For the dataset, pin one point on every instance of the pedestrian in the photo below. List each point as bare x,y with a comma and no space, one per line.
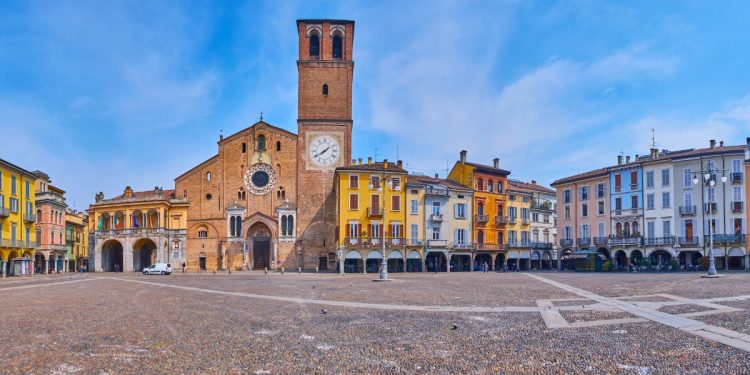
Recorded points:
485,266
183,267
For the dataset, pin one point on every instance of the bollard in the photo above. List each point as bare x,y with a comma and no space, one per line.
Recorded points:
299,270
265,269
230,271
214,271
316,270
282,270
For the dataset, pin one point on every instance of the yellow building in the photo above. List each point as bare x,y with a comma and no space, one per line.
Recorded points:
137,229
77,240
369,196
490,200
17,220
518,229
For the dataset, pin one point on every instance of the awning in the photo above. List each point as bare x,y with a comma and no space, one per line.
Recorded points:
525,255
736,252
414,255
716,252
513,255
395,255
353,255
374,255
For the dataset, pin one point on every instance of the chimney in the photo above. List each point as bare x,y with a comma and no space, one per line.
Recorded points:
533,182
619,159
436,176
712,143
463,154
359,161
627,159
721,143
654,153
369,160
400,163
636,157
354,161
385,163
747,149
496,163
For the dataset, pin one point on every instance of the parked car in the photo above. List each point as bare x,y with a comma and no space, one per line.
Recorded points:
158,269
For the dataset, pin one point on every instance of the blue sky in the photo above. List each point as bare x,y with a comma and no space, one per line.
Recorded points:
101,95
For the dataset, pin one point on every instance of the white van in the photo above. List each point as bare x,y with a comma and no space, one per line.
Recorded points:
158,269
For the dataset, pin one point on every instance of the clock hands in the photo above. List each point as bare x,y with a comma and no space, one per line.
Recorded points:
322,152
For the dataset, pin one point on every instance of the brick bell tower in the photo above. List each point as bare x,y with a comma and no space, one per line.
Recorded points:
324,120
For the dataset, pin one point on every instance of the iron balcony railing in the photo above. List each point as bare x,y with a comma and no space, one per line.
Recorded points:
512,219
627,240
462,246
736,177
500,220
709,208
374,211
431,191
18,244
600,241
437,243
414,242
628,211
140,231
687,210
29,218
436,218
738,239
541,245
737,206
4,212
566,242
396,241
524,220
655,241
583,241
487,246
688,241
479,218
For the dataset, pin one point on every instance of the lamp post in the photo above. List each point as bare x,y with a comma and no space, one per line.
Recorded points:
384,265
709,179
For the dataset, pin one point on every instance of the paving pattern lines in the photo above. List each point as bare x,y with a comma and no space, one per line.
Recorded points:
694,327
43,283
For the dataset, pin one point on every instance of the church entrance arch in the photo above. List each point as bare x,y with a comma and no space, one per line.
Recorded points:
112,256
144,254
259,236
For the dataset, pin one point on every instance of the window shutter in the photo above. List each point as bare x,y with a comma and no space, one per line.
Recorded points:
348,230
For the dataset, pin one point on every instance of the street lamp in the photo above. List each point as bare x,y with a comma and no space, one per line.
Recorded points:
709,180
384,265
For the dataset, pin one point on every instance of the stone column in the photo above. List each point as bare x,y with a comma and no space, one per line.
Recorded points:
447,262
127,256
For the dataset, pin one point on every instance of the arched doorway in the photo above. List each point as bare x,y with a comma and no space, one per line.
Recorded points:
374,258
500,262
202,261
689,260
536,261
546,260
621,259
111,256
144,254
736,259
568,263
460,263
436,262
260,237
636,256
40,263
414,262
481,259
661,258
395,261
352,262
604,252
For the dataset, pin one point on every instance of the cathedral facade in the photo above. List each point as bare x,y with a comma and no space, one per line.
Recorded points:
266,199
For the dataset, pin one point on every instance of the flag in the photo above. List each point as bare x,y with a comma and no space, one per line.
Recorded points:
135,222
101,223
117,221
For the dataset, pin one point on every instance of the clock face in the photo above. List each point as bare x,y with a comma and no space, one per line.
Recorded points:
325,151
260,179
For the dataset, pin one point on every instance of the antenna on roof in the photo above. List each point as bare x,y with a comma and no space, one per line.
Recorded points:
653,138
447,170
376,153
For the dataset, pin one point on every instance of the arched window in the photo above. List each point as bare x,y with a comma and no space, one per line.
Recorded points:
232,226
635,228
290,225
208,176
202,233
325,89
626,229
244,147
238,226
618,229
283,225
281,194
490,185
278,145
338,46
241,194
261,146
314,44
480,237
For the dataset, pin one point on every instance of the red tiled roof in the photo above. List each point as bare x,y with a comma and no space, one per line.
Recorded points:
489,169
440,181
531,187
374,167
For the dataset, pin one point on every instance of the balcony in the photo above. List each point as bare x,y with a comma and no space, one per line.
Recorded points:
525,221
17,244
414,242
541,245
688,241
396,241
436,218
633,187
736,177
737,206
600,241
374,211
512,219
487,246
29,218
709,208
479,218
501,220
4,212
728,239
627,211
628,240
437,243
566,242
687,210
659,241
584,241
439,192
462,246
618,188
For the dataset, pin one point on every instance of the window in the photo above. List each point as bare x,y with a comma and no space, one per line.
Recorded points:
435,233
567,212
12,185
665,177
665,200
459,236
261,143
535,217
414,206
325,89
687,178
650,229
376,230
1,182
634,201
490,186
281,193
354,202
28,189
314,44
736,166
567,232
414,233
666,228
650,201
208,196
600,207
208,176
584,193
396,203
396,230
512,197
396,183
524,213
353,229
688,199
650,179
711,195
202,233
512,212
13,204
459,210
526,198
244,147
375,182
618,182
566,196
618,204
480,237
600,190
633,179
601,230
353,182
436,208
499,187
736,194
480,184
241,194
585,231
278,145
338,46
585,210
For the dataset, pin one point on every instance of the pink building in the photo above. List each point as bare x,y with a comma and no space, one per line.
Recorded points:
50,227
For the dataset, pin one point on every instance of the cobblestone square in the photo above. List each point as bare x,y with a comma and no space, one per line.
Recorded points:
420,323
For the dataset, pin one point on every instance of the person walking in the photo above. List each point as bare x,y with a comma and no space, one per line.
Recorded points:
183,267
485,267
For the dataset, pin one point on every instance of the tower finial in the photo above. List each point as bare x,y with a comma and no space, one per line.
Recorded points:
261,115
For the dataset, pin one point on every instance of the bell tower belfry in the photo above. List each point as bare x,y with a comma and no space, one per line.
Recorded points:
324,120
